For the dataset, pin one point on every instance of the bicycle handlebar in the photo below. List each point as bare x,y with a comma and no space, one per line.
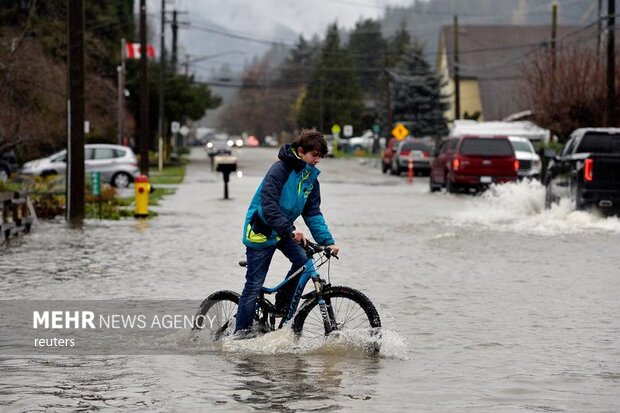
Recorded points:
313,248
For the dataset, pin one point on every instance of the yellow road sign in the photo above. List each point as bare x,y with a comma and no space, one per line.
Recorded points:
400,132
336,129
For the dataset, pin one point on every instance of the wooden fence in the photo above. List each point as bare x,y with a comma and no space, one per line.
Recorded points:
16,214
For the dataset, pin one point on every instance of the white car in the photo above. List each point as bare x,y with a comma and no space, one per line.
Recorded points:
529,161
117,164
365,142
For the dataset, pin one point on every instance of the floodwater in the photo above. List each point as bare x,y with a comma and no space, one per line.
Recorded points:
489,303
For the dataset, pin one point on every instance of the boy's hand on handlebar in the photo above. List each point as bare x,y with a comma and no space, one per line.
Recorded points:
335,249
299,237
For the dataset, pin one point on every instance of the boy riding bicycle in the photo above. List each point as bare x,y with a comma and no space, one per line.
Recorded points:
290,189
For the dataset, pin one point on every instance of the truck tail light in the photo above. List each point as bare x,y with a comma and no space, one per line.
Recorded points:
587,170
456,164
516,165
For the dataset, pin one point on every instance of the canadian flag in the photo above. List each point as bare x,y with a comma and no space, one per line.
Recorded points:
132,50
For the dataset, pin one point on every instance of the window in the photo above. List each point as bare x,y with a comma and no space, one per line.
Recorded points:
522,146
568,148
487,147
599,143
61,157
452,145
415,146
104,153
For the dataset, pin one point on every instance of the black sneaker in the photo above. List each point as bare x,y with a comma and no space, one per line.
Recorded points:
244,335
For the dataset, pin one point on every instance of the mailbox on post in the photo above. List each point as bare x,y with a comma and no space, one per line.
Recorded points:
225,165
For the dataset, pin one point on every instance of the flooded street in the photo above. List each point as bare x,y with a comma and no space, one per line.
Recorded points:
488,303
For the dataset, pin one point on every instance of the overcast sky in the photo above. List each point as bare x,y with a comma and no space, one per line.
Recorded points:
303,16
221,26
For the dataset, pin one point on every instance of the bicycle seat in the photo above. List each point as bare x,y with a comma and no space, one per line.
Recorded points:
243,263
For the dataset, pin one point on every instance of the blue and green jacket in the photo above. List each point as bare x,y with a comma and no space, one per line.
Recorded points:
289,189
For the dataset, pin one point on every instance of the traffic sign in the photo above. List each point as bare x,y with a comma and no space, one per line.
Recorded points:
95,180
400,132
376,128
184,130
336,129
175,127
348,131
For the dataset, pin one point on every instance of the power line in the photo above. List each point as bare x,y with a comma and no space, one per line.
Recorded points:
245,37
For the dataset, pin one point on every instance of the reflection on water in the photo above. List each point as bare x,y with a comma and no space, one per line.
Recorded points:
305,382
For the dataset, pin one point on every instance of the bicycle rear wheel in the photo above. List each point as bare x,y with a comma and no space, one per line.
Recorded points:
217,314
349,309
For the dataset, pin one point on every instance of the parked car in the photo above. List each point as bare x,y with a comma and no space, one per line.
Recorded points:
473,162
117,164
8,165
388,154
365,141
330,145
529,161
412,148
587,171
218,147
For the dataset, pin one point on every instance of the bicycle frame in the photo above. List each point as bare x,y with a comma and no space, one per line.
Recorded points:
308,272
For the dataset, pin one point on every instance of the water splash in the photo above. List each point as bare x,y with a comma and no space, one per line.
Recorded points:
520,207
346,343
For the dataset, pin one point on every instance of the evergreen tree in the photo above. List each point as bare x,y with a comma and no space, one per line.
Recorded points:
398,48
417,101
368,49
334,94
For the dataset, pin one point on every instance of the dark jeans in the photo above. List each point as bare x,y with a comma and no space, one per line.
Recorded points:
259,260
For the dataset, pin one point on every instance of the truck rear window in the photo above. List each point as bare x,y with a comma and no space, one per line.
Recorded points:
486,147
415,146
599,143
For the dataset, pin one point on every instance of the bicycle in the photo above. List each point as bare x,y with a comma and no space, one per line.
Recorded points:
325,311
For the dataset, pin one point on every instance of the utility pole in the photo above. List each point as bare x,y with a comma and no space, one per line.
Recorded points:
321,110
611,63
121,94
144,95
599,30
162,69
554,34
75,114
175,28
457,80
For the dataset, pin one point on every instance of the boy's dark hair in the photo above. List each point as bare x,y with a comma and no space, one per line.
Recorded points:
312,140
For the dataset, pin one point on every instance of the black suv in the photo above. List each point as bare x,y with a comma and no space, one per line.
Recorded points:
8,165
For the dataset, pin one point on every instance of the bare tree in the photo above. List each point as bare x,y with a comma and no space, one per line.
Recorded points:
567,93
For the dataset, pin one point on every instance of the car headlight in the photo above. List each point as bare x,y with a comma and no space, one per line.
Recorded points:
209,145
239,142
230,142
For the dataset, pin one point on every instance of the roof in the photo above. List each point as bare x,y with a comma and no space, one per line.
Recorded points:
495,54
524,129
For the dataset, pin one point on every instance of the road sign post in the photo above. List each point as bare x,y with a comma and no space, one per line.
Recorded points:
400,132
95,181
336,134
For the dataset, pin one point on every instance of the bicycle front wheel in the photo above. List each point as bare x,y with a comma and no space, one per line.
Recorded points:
217,314
349,309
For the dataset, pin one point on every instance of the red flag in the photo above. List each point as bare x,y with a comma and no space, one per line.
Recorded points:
132,50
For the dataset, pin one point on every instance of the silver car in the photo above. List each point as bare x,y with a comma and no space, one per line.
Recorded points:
117,164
